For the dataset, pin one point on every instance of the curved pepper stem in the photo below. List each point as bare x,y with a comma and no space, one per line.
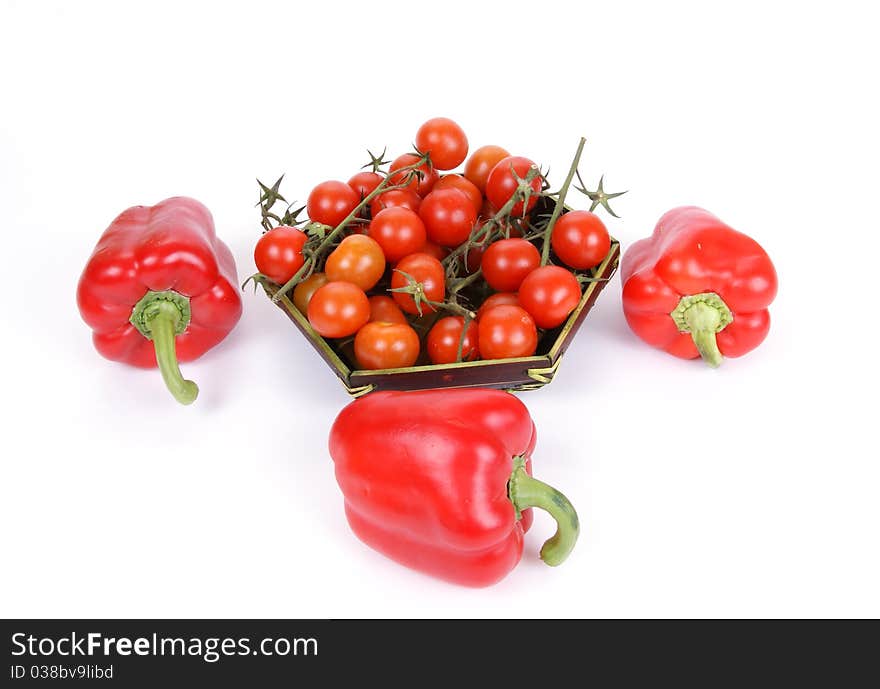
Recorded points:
703,316
160,317
525,491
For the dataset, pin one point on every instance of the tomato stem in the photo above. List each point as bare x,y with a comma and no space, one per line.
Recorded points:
464,328
464,282
560,202
452,307
525,491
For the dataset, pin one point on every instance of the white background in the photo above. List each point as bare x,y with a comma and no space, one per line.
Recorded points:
747,491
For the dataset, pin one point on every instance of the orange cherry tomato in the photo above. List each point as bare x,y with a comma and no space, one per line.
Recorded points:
480,164
302,293
338,309
358,259
464,185
379,345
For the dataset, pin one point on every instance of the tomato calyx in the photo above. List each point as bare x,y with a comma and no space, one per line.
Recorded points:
416,290
269,196
599,197
317,229
376,161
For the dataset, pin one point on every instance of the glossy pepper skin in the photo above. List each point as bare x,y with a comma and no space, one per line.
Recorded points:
439,480
697,287
159,288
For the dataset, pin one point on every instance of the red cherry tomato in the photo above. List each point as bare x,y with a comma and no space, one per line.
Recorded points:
443,339
424,269
473,259
380,345
580,239
278,253
497,299
358,259
507,262
464,186
396,198
549,294
444,140
501,184
338,309
421,182
449,216
302,293
385,310
507,331
434,250
330,202
364,182
487,210
399,231
480,164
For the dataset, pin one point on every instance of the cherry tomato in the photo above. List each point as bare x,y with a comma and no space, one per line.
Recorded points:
338,309
507,262
443,339
444,140
501,184
399,231
395,198
364,182
580,239
480,164
473,259
380,345
303,292
487,210
421,182
497,299
434,250
385,310
424,269
449,216
549,294
464,186
358,259
330,202
278,253
507,331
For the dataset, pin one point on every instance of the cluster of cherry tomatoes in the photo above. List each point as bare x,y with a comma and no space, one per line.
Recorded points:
385,254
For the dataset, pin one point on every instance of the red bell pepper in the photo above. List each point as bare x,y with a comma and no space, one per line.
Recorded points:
160,288
439,480
697,287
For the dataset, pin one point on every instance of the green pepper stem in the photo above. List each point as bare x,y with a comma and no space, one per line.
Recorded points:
703,316
163,326
160,317
525,491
